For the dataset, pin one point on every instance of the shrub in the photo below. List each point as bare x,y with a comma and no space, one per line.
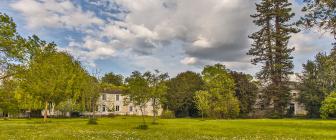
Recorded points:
167,114
328,107
142,126
92,121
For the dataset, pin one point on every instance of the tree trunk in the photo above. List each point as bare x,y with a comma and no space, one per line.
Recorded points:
142,114
46,111
154,111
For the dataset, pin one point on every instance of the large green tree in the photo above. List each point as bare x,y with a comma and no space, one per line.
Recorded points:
181,93
318,79
270,48
221,87
246,91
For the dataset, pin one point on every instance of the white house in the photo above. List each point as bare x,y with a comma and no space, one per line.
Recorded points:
112,102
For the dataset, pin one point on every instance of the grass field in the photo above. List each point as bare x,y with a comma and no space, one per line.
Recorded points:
168,129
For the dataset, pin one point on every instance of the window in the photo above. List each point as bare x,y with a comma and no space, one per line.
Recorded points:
117,97
117,108
104,108
130,108
104,97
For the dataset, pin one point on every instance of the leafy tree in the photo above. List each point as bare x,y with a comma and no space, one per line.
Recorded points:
270,49
202,99
111,78
220,85
181,93
321,14
246,91
50,76
318,80
138,92
8,102
157,89
12,47
329,106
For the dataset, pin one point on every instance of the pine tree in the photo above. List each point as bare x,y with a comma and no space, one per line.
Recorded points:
270,48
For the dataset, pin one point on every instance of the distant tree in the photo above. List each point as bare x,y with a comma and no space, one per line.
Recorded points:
220,85
321,14
246,91
202,99
318,80
157,90
329,106
270,48
181,93
138,92
111,78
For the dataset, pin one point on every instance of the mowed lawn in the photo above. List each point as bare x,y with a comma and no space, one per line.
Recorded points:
124,128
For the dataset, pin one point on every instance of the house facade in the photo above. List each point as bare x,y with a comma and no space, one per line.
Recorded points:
113,103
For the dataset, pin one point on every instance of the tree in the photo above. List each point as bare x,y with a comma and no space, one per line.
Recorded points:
329,106
50,76
115,79
12,47
202,99
181,93
317,81
321,14
157,89
270,49
220,85
246,91
8,102
138,92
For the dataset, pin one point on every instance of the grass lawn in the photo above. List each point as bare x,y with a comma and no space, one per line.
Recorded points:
168,129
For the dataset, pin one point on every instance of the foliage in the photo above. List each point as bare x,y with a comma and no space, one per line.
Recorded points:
202,99
220,85
157,90
328,107
138,91
181,93
321,14
114,79
317,81
269,48
246,91
8,101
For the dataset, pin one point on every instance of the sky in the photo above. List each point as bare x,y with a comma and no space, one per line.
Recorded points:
172,36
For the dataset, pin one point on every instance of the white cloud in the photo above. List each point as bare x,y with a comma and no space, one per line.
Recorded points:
54,14
189,61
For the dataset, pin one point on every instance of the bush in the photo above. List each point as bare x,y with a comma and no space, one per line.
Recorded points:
167,114
142,126
92,121
328,108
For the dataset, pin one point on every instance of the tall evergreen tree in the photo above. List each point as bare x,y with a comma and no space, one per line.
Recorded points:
270,48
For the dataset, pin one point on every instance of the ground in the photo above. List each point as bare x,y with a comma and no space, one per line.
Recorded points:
124,128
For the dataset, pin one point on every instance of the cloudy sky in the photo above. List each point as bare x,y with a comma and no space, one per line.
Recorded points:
169,35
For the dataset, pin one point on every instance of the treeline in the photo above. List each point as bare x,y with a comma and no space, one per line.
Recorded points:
217,92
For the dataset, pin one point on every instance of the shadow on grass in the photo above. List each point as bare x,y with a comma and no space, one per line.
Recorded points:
142,127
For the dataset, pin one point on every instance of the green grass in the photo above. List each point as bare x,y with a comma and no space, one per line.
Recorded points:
168,129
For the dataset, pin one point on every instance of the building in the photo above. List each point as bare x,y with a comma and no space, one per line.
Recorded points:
112,102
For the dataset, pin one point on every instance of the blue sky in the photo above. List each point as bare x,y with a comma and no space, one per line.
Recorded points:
169,35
